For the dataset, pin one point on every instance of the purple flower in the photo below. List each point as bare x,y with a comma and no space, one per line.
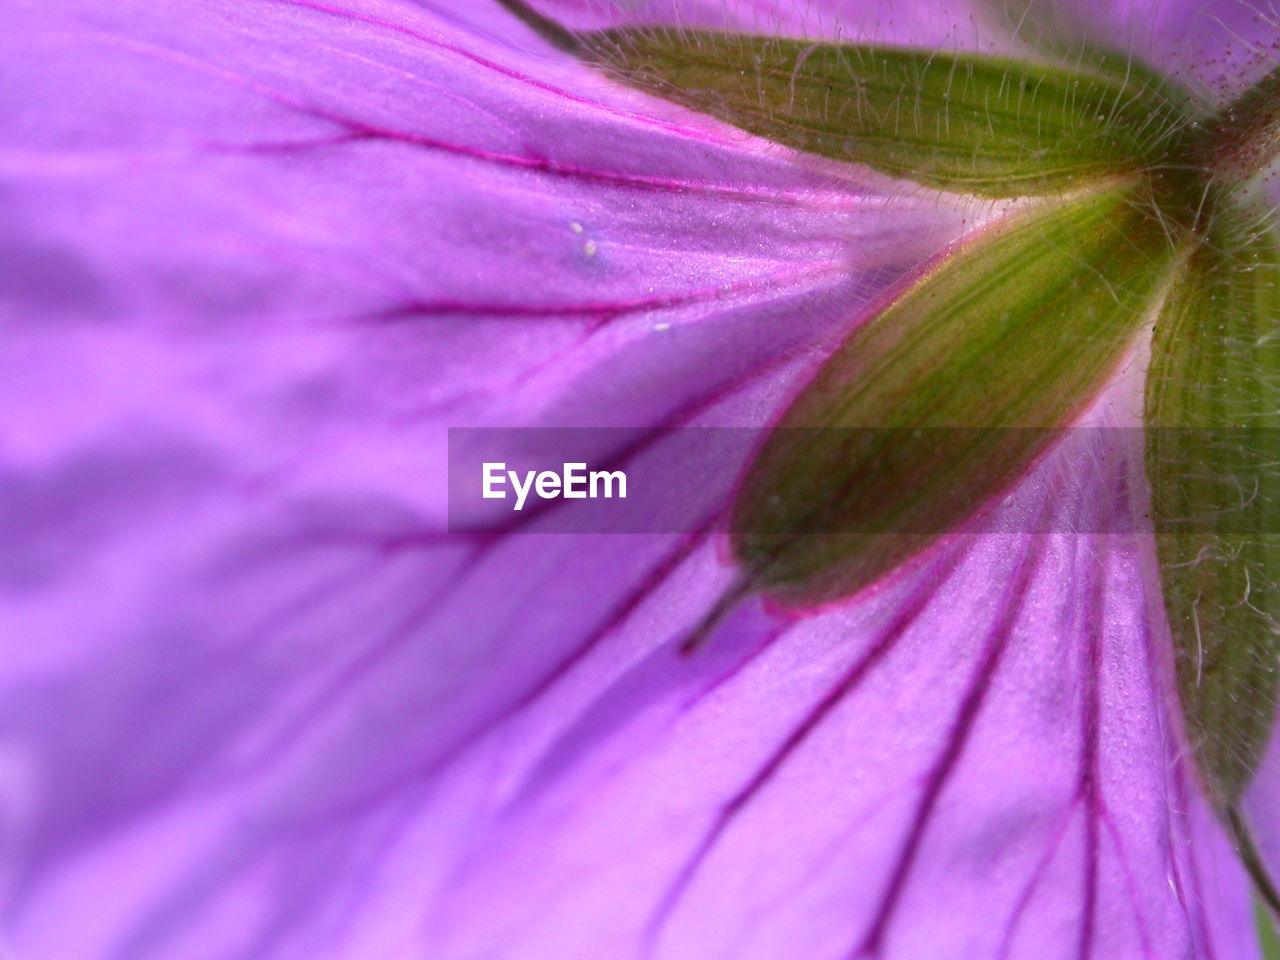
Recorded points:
259,704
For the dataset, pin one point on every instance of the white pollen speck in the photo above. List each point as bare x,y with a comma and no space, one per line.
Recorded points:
661,327
589,248
576,227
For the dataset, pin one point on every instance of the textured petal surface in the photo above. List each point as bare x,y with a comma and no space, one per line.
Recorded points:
256,258
973,762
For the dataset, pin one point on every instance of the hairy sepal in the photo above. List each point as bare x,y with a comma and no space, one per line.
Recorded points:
1213,446
961,122
1062,33
947,396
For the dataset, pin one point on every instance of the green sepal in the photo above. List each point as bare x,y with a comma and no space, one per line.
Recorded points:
946,397
1061,32
961,122
1213,461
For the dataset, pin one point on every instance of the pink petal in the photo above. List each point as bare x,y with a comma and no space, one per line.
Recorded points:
258,257
979,762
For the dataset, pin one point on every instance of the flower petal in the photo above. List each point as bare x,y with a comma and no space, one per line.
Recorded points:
256,705
261,256
974,763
